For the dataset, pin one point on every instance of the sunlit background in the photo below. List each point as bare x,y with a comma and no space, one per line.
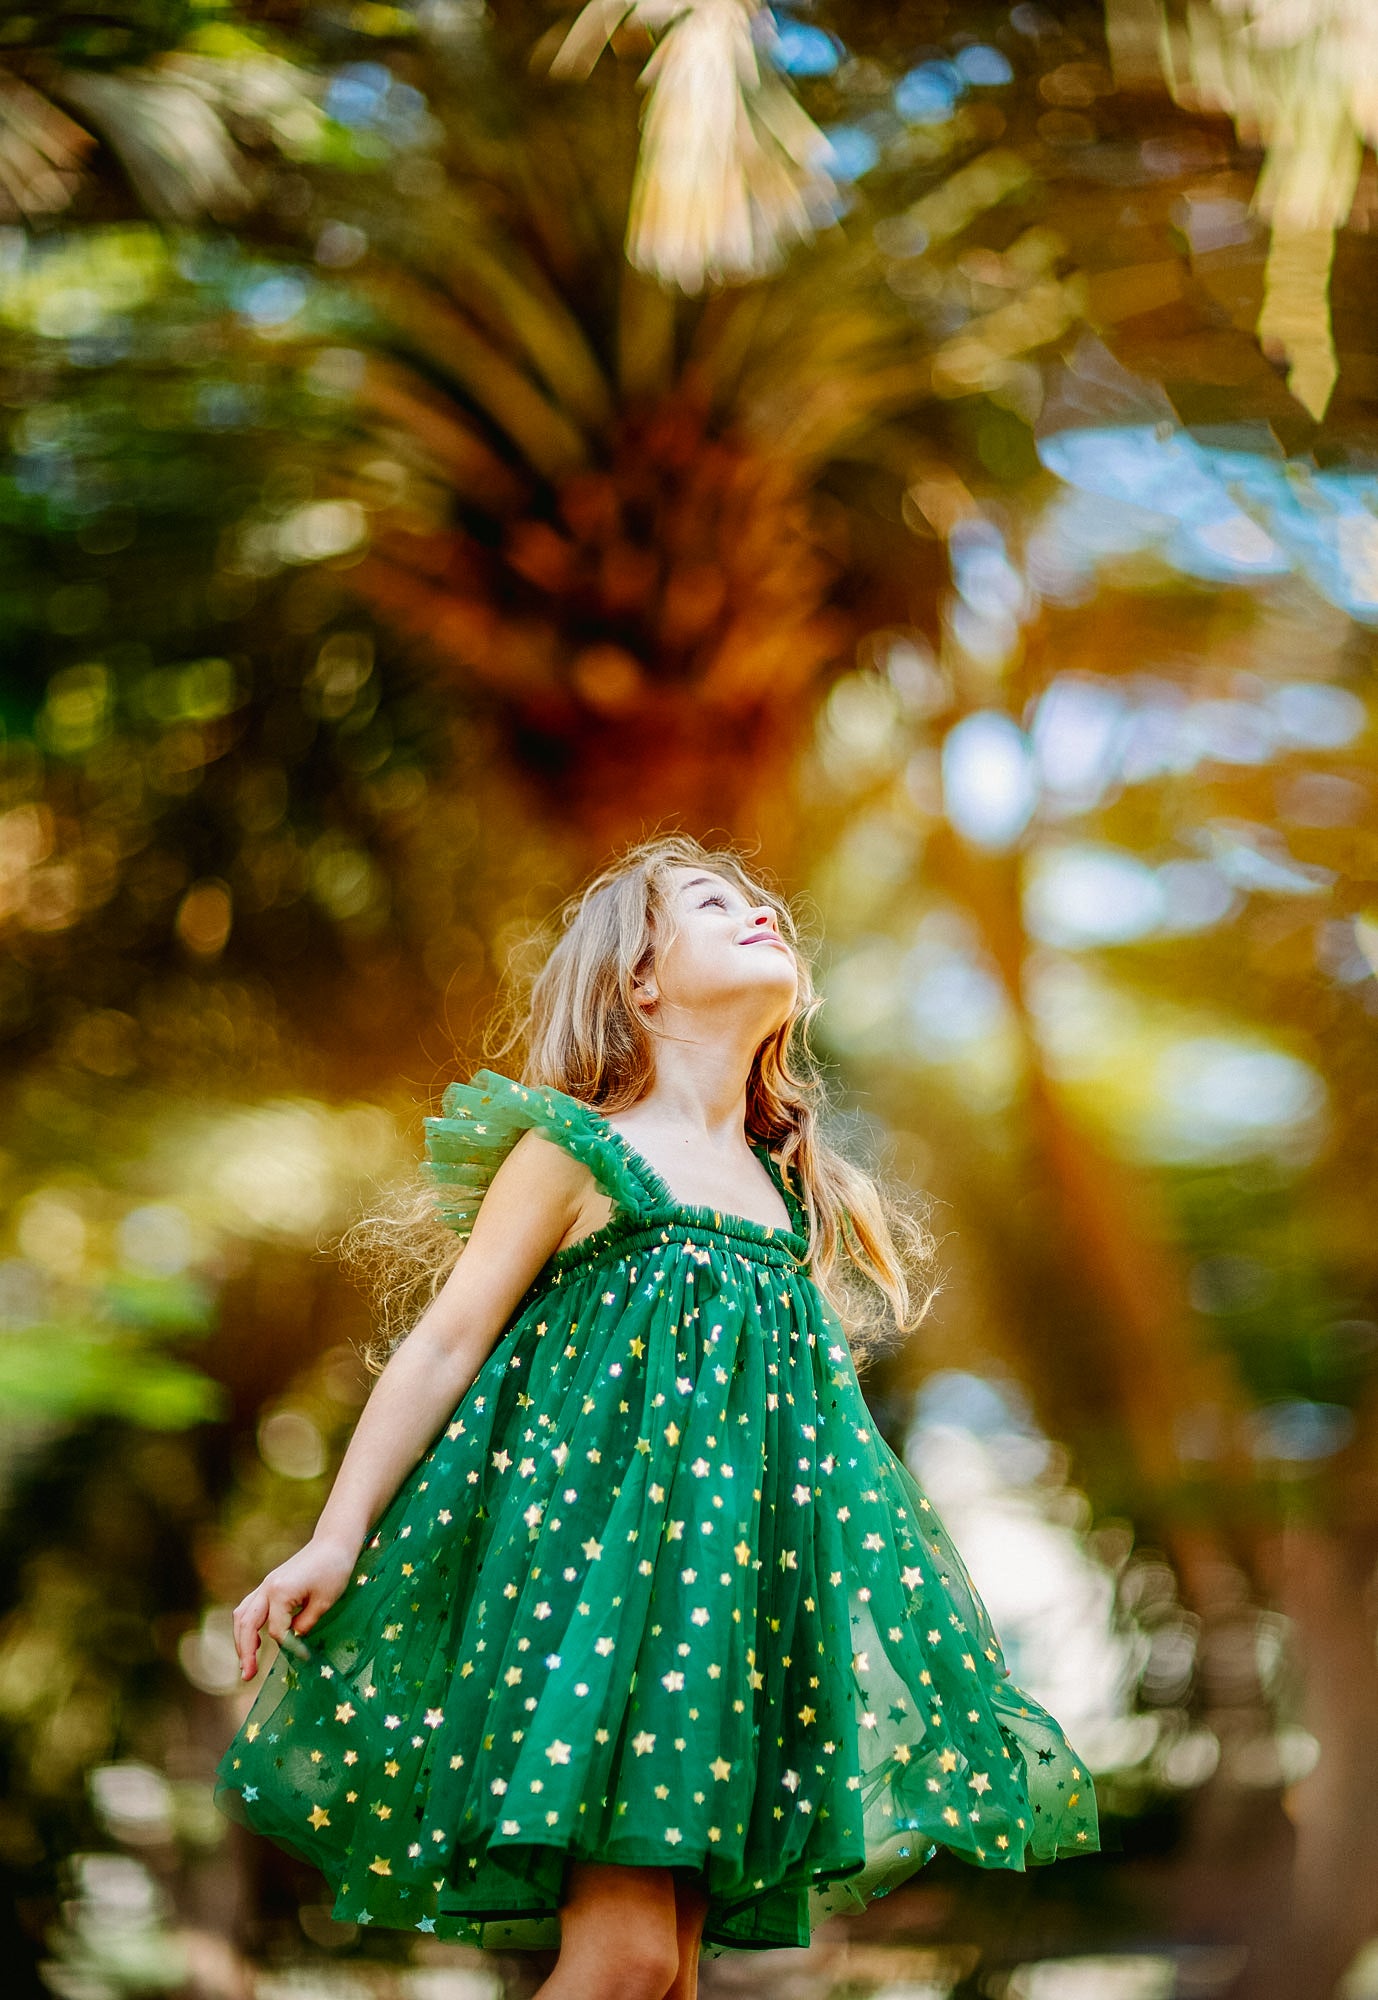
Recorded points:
933,443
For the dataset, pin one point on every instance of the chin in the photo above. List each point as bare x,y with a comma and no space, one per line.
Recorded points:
781,957
783,992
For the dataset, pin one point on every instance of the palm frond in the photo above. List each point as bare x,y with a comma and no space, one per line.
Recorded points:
396,398
183,126
495,281
171,142
499,385
42,153
732,170
1299,77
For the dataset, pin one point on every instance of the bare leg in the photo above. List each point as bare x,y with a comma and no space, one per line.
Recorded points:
691,1907
618,1936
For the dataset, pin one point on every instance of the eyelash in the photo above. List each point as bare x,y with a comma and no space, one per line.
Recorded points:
721,902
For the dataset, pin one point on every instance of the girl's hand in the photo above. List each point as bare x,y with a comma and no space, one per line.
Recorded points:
291,1598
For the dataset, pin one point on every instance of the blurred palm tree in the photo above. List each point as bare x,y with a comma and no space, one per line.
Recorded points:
638,521
652,526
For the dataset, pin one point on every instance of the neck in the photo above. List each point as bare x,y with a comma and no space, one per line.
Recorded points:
701,1081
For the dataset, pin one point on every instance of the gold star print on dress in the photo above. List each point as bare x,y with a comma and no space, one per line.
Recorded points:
659,1593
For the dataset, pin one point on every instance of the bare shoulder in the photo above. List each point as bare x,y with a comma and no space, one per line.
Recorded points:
544,1177
539,1155
539,1197
539,1171
536,1161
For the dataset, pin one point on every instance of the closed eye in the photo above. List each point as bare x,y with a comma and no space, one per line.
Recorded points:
721,902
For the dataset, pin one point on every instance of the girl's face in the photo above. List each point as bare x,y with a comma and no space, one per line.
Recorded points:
727,953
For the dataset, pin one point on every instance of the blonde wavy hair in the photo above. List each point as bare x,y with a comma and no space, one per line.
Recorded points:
571,1017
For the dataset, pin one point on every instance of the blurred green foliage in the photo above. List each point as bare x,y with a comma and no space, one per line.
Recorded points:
104,36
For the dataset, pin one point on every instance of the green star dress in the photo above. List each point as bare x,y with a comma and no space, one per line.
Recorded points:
658,1594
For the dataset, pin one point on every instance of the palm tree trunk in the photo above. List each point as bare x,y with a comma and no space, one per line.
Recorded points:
1324,1583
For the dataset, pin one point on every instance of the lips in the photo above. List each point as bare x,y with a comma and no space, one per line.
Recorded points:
765,937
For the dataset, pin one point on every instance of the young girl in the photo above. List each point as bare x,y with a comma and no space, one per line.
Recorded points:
628,1632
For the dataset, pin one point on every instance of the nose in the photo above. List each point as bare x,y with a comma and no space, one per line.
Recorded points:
764,919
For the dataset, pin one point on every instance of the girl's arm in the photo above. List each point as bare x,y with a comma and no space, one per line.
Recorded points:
534,1201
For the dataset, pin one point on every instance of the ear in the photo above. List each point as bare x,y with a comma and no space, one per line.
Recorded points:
645,993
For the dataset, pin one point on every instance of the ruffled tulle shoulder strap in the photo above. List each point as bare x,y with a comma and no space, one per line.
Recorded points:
479,1124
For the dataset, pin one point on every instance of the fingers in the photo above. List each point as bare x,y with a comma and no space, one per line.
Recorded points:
269,1607
282,1607
311,1609
248,1621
